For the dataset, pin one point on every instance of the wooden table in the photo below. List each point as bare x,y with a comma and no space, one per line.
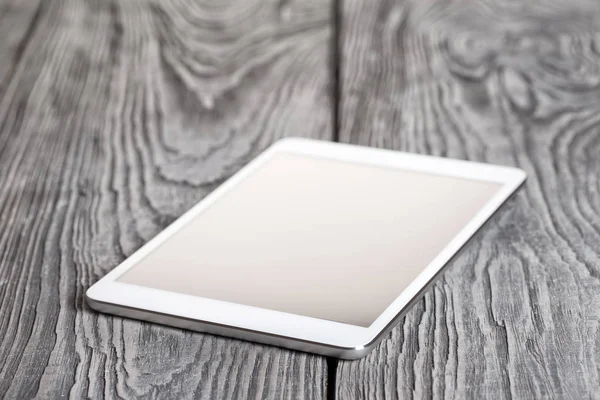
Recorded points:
117,116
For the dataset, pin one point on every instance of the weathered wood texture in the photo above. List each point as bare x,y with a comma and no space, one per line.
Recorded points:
115,117
514,83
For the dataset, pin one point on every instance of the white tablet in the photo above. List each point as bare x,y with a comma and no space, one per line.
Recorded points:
313,246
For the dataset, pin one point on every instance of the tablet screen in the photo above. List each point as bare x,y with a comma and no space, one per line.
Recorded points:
316,237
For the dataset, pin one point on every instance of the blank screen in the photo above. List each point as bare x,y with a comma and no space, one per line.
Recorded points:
316,237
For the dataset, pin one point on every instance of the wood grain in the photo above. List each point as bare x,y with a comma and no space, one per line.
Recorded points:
116,117
514,83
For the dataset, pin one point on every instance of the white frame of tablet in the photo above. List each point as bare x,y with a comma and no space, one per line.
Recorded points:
296,327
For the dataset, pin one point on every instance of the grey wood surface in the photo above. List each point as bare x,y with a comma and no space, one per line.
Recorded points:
116,117
514,83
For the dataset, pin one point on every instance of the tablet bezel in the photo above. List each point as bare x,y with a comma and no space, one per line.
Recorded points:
108,290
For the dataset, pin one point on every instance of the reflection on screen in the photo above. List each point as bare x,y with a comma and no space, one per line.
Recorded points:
316,237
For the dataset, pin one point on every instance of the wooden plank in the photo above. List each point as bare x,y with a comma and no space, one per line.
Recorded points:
115,119
18,20
514,83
